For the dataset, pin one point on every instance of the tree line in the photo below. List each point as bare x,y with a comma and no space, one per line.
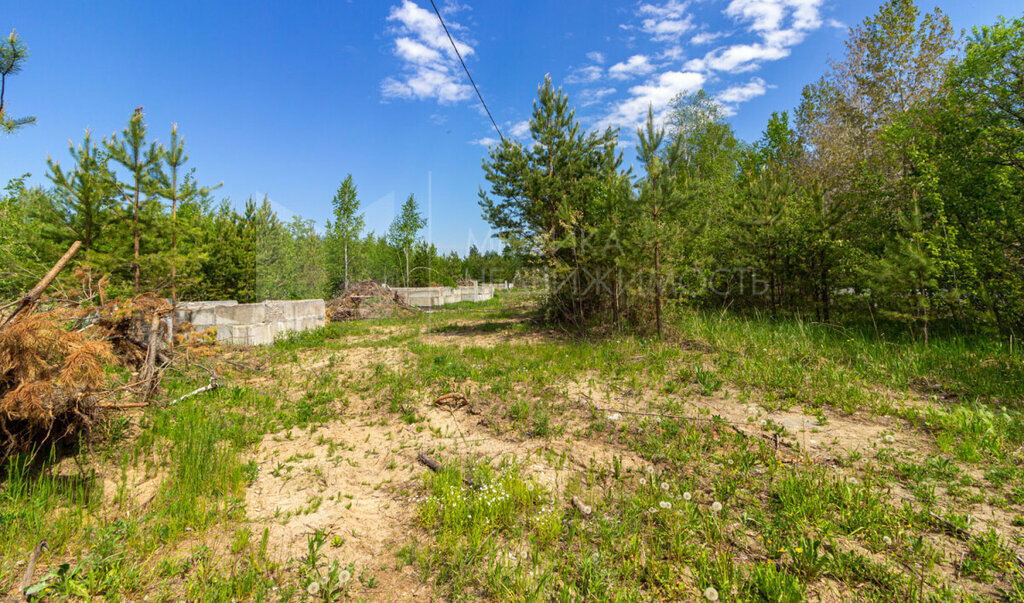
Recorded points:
147,224
892,192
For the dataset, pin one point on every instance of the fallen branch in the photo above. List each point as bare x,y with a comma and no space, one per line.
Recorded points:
206,388
963,534
436,467
30,298
30,569
429,462
115,406
459,399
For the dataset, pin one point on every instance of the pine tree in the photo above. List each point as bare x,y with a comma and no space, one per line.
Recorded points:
86,194
143,163
659,196
404,230
345,228
13,54
544,200
168,187
907,277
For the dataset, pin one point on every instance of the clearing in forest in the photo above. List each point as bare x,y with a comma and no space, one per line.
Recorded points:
736,459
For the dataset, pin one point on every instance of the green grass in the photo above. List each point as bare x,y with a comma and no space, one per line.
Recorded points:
783,532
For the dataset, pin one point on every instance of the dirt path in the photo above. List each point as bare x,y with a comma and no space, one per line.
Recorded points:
355,477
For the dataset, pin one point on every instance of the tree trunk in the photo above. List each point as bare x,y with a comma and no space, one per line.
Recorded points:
135,241
174,237
406,266
657,286
346,265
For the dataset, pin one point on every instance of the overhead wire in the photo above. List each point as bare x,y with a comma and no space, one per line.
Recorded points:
466,69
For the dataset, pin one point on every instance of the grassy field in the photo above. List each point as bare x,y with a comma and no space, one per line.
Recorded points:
738,459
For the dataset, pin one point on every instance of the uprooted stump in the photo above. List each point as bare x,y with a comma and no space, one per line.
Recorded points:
49,379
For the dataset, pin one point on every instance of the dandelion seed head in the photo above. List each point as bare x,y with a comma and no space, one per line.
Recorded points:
887,540
716,507
313,588
665,504
643,482
687,496
889,439
664,486
710,593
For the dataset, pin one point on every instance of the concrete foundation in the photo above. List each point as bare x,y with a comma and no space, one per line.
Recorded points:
429,297
253,324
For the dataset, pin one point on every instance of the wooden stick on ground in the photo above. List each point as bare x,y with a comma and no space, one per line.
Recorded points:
964,534
30,569
457,399
212,386
149,368
436,467
30,298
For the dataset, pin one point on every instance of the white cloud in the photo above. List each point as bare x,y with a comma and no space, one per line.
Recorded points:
673,9
595,56
743,92
520,129
486,141
706,37
592,96
429,63
665,22
585,75
636,65
779,25
412,51
742,57
656,93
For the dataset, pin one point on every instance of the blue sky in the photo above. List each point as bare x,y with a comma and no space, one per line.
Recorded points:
285,98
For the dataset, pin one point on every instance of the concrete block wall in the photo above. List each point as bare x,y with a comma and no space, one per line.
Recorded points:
429,297
253,324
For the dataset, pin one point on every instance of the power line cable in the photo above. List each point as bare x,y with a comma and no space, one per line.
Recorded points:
466,69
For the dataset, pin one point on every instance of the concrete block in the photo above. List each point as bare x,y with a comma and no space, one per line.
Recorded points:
276,310
206,316
256,334
242,314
